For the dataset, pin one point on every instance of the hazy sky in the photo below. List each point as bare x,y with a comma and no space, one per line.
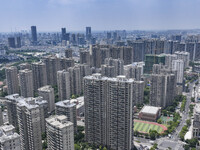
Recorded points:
51,15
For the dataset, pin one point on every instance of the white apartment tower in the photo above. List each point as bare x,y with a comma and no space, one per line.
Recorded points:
9,139
39,75
60,133
178,65
29,125
108,111
69,110
63,81
12,80
26,83
47,92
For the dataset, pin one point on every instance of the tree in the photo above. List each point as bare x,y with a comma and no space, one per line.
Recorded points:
136,133
192,99
44,145
73,96
44,136
159,121
155,146
153,134
76,147
188,122
104,148
192,142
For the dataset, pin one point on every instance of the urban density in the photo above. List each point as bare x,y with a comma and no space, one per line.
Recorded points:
99,90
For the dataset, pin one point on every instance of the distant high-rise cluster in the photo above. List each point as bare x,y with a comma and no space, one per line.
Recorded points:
34,34
99,80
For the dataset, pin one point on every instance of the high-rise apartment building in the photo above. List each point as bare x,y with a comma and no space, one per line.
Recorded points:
60,133
9,139
75,80
178,65
28,115
12,80
34,34
65,63
138,51
117,63
11,42
163,89
69,110
68,53
26,83
190,48
11,104
85,57
85,70
168,60
185,56
52,66
133,71
150,60
108,71
47,92
19,43
63,81
1,116
39,75
196,122
108,111
43,106
138,92
197,51
24,66
127,55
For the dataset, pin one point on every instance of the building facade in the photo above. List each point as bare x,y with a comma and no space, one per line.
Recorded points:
60,133
12,80
108,111
26,83
69,110
47,92
9,139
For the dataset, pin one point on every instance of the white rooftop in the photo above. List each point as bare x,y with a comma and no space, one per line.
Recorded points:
7,133
150,109
65,103
59,121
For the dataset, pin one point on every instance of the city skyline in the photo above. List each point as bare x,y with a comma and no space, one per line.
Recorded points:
51,15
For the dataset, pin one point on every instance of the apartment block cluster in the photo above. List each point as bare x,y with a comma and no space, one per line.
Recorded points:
110,80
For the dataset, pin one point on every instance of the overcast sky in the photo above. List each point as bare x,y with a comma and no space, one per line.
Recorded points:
75,15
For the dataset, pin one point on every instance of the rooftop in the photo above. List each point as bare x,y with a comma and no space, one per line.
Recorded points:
7,133
120,78
59,121
46,88
65,103
150,109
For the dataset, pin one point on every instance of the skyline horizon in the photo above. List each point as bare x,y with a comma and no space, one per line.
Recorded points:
103,30
106,15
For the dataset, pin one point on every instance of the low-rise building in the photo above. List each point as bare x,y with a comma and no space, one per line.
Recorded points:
150,113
